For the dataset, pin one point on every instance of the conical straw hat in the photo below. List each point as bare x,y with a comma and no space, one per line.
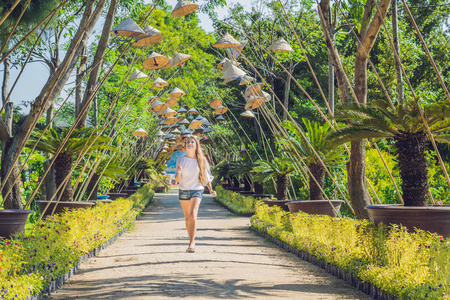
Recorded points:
199,130
266,96
155,61
137,75
195,124
177,93
178,59
180,118
169,113
220,110
160,133
159,83
153,36
205,141
128,28
248,114
170,120
228,63
152,99
243,151
184,122
205,122
226,80
281,45
254,102
171,102
233,72
227,41
192,111
245,79
175,132
140,132
239,49
253,90
222,63
162,110
184,8
157,105
220,118
207,130
215,103
182,110
199,117
161,122
164,127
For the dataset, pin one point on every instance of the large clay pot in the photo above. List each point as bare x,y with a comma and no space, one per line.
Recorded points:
114,196
13,221
316,207
61,206
430,218
280,203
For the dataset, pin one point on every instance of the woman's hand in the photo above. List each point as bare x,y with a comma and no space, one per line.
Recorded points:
179,168
213,193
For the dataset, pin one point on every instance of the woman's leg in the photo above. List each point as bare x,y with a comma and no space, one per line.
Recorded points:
194,205
185,205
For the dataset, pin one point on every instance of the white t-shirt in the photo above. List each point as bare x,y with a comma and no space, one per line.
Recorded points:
189,173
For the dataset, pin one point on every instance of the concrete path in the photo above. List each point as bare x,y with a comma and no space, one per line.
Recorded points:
231,262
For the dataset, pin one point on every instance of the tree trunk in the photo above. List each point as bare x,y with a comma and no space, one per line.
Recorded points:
398,71
413,166
49,116
318,171
63,167
14,199
92,188
281,187
79,83
49,182
247,185
330,84
6,75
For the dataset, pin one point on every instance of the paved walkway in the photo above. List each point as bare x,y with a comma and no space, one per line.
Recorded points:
231,262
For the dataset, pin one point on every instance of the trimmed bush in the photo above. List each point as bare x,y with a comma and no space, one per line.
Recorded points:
30,261
406,265
235,201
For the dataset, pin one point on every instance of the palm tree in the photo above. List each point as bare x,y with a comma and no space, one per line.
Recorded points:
77,143
278,169
404,125
317,136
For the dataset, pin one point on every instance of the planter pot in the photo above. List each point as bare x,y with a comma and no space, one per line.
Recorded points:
430,218
280,203
316,207
13,221
114,196
62,205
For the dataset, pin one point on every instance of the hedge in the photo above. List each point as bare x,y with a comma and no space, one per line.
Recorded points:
29,262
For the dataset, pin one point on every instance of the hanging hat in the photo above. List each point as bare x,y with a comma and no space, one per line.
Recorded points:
205,122
195,124
253,90
192,111
177,93
228,63
220,118
228,80
180,118
170,120
248,114
207,130
205,141
184,122
140,132
220,110
171,102
161,122
152,99
243,151
157,105
155,62
168,136
184,8
254,102
227,41
238,50
162,110
160,133
164,127
199,117
137,75
199,130
169,113
128,28
215,103
165,147
266,96
178,59
159,83
222,63
233,72
182,110
281,45
245,79
153,36
175,132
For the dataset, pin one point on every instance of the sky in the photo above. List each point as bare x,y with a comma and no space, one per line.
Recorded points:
35,75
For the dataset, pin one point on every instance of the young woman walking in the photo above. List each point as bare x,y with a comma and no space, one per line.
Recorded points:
193,173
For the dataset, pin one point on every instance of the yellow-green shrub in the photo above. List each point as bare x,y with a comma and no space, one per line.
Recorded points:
235,201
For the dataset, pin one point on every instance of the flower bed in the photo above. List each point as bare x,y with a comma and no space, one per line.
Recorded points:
402,264
30,262
235,202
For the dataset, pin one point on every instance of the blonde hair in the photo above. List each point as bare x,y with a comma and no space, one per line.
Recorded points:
202,177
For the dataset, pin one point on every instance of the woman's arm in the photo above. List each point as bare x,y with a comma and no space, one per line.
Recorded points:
212,192
178,176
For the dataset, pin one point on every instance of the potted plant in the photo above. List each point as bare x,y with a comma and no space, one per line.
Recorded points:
77,143
278,169
404,125
317,139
